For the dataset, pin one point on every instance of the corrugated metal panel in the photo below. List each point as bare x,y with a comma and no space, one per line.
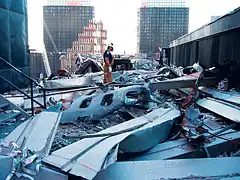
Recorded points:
86,157
212,51
181,149
173,169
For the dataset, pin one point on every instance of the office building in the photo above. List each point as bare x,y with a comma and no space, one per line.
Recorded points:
69,2
14,42
160,22
36,64
63,20
91,41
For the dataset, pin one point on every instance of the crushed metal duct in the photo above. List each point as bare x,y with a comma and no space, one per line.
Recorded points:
232,97
165,73
218,168
68,82
221,108
89,66
98,106
163,120
87,157
36,134
46,173
13,106
181,82
197,126
182,149
6,163
136,76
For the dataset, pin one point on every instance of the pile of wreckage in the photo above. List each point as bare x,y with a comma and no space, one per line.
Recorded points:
171,123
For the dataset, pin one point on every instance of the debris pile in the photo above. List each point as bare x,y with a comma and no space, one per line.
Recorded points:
170,123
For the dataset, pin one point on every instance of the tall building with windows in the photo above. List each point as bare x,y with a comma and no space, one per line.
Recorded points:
63,21
14,42
69,2
91,41
160,22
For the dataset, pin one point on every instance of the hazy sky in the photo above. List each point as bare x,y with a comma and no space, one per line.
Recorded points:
120,19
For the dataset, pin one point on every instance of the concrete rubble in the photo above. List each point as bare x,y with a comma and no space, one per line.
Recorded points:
151,122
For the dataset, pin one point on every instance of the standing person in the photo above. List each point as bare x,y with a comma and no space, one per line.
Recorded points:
108,64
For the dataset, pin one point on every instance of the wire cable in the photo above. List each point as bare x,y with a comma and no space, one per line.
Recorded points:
214,135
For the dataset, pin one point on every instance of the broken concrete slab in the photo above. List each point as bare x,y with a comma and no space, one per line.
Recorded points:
181,149
37,133
221,108
86,157
173,169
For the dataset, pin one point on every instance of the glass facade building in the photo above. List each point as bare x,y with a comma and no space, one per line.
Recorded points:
163,3
159,23
69,2
63,22
14,41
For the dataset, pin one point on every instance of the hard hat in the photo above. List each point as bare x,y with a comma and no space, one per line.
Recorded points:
110,45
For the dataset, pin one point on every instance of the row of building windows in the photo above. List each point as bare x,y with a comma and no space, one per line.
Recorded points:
83,8
83,48
162,18
163,3
169,13
69,2
85,41
160,11
66,14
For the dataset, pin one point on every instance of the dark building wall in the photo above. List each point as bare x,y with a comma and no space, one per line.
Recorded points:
215,44
37,66
14,40
64,23
54,61
161,25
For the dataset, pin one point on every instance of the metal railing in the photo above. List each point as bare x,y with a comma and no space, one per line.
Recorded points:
32,82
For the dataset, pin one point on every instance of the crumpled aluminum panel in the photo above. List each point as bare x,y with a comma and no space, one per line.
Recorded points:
181,82
233,97
86,157
221,108
152,133
95,110
67,83
217,168
37,133
45,173
181,148
6,163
